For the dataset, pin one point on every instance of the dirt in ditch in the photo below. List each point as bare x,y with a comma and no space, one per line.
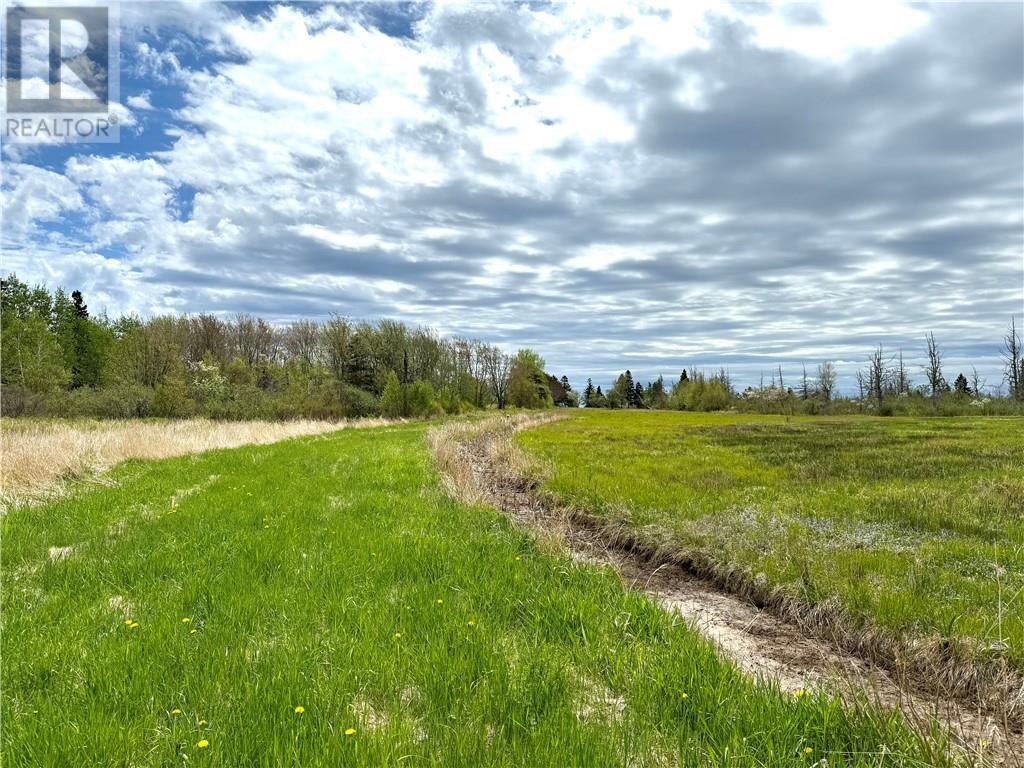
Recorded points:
756,640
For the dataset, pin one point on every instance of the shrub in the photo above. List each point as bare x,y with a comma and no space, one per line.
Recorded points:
171,398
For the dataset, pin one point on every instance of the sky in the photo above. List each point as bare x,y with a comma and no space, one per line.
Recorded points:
641,185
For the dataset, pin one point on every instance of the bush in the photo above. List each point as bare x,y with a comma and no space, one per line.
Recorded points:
19,401
357,403
171,398
420,400
119,401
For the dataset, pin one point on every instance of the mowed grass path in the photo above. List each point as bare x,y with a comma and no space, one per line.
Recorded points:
333,574
916,524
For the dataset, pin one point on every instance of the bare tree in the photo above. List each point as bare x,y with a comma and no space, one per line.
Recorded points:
878,374
337,336
933,368
977,382
805,385
252,338
827,379
498,366
900,379
207,335
1013,357
302,340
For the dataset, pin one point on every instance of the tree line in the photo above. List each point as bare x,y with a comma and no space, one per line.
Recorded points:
885,385
58,358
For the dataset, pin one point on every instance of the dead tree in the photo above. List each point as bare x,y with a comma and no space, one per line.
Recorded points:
933,368
1013,357
827,379
878,370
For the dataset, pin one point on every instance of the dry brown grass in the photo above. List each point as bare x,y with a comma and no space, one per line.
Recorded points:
38,457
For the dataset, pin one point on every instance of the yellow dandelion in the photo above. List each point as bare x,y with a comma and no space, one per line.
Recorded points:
439,601
800,693
299,710
350,731
192,631
398,635
684,696
134,625
808,750
203,743
471,623
202,723
518,557
128,622
175,711
186,619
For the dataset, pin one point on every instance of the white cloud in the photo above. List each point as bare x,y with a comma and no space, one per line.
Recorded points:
667,177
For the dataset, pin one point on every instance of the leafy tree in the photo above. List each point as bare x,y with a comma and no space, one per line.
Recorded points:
392,402
171,396
32,358
623,392
528,385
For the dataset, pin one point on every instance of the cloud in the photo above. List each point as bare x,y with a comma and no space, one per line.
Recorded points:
687,184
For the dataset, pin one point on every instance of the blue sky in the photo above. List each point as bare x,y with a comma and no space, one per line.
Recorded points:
627,185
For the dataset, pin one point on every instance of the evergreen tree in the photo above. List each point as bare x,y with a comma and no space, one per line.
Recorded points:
624,389
961,386
638,396
588,393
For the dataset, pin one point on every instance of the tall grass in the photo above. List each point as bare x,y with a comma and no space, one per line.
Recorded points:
324,602
39,454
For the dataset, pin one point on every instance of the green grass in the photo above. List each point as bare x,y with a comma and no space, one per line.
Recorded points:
333,573
914,524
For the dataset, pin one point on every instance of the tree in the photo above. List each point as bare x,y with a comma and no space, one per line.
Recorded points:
877,374
561,394
805,385
588,393
933,368
528,384
977,382
497,366
826,379
391,401
638,396
1013,358
657,397
623,392
32,358
961,386
901,381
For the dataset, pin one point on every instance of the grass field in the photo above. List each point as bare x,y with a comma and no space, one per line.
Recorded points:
913,525
322,602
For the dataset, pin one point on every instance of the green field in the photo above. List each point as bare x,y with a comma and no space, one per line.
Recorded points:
915,525
323,602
